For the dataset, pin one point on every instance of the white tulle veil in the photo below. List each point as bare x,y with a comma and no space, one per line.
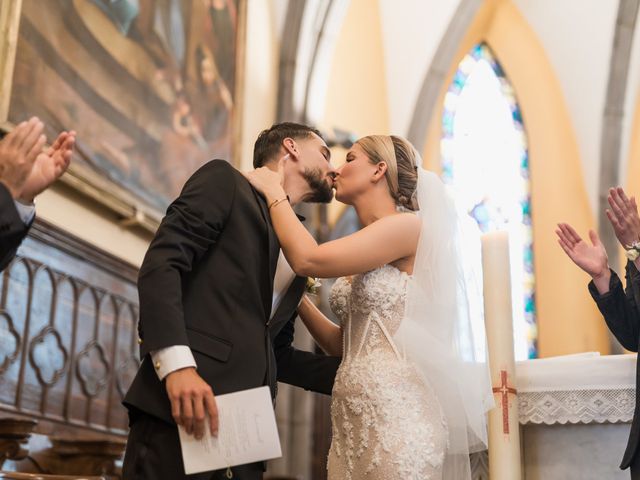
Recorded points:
443,329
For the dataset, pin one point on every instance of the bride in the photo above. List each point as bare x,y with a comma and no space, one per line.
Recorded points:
411,394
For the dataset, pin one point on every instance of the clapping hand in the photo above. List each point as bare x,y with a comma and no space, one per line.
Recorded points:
18,152
590,258
624,217
49,166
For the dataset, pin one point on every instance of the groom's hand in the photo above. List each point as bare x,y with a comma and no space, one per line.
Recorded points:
192,401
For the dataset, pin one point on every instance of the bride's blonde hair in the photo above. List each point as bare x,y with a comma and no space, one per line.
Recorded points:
402,161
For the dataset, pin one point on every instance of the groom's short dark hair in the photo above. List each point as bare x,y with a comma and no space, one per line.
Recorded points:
269,141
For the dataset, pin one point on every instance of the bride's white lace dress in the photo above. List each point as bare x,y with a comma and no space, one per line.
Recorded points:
387,423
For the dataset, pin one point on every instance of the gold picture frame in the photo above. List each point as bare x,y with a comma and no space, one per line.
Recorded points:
117,196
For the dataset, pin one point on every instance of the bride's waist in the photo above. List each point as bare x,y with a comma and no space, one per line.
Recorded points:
375,365
372,355
382,381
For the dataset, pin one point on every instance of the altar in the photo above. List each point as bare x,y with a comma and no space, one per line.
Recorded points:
575,413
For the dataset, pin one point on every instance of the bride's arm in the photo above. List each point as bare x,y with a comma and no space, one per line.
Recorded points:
326,333
385,241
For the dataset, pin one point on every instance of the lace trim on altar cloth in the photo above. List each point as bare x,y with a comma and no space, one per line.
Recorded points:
606,405
577,406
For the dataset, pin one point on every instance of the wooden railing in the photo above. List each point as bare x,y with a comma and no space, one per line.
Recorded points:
68,347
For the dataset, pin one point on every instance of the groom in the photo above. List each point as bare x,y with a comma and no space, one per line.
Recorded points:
218,303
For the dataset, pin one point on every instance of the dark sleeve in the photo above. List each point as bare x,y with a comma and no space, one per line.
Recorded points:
190,228
620,309
12,228
307,370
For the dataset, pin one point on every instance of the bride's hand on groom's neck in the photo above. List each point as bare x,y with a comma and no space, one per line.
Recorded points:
268,181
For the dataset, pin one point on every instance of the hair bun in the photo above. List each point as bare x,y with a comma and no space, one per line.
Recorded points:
405,202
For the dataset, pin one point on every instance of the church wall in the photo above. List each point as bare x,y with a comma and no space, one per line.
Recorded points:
631,177
630,155
91,222
261,73
357,88
577,37
411,36
357,92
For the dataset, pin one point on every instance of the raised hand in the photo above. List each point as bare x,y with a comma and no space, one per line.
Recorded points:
18,152
192,402
49,166
624,217
590,258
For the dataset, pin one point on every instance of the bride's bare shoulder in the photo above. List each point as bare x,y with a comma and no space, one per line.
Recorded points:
407,222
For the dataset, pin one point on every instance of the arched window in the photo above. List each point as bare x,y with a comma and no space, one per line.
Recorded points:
485,160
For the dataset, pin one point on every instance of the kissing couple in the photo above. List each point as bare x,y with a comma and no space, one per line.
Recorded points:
223,282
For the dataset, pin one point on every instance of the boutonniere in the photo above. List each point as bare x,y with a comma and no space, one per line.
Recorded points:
313,285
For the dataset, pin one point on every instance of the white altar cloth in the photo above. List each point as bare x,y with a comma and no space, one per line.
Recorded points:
583,388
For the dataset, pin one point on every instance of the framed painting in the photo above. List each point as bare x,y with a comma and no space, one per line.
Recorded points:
150,86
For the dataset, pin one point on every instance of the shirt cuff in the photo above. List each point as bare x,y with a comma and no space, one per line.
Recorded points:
26,212
170,359
614,284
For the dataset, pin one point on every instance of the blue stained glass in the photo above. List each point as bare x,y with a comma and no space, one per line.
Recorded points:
447,122
458,82
529,305
485,159
517,116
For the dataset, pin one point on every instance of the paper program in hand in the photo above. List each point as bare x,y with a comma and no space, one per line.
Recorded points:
247,433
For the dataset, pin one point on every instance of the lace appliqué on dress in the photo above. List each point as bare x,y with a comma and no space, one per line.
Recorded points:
386,421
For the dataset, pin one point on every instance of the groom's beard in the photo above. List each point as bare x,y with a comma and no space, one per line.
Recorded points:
321,188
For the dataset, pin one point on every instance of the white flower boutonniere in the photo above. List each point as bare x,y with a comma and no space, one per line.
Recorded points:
313,285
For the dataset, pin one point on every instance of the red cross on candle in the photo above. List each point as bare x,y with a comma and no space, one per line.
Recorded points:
504,389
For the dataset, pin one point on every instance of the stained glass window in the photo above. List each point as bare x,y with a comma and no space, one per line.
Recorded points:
485,160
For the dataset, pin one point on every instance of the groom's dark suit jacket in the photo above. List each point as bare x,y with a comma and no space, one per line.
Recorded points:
207,282
621,310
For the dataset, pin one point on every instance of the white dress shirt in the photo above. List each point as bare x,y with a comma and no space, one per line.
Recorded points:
26,212
170,359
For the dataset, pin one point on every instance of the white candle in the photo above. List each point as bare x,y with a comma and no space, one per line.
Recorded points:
504,429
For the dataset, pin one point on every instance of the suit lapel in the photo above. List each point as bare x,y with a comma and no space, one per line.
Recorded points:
273,251
288,305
